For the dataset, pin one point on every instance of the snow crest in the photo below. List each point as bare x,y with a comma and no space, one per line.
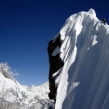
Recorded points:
83,80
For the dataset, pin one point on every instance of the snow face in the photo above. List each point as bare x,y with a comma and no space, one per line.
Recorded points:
83,80
13,95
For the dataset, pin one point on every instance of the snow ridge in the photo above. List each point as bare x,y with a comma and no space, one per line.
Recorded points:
83,80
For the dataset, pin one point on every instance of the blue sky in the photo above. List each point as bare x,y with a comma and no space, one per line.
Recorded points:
26,26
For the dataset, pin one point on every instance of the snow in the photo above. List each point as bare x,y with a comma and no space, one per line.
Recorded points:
83,80
13,95
94,42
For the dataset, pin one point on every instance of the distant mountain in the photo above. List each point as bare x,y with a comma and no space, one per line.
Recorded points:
13,95
83,81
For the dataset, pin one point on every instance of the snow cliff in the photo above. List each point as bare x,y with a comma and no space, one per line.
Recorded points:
13,95
83,81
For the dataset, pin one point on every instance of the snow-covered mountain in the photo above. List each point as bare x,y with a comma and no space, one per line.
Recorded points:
83,81
81,75
13,95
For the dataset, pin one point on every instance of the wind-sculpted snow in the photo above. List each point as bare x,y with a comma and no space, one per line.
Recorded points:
16,96
83,81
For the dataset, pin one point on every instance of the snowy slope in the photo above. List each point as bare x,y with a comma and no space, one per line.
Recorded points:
13,95
83,81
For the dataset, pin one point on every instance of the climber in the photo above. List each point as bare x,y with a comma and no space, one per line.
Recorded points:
55,64
53,44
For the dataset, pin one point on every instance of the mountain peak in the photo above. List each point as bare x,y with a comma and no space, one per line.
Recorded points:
81,63
92,11
78,21
5,71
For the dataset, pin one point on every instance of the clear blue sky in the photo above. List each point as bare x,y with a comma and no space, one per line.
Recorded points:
26,26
